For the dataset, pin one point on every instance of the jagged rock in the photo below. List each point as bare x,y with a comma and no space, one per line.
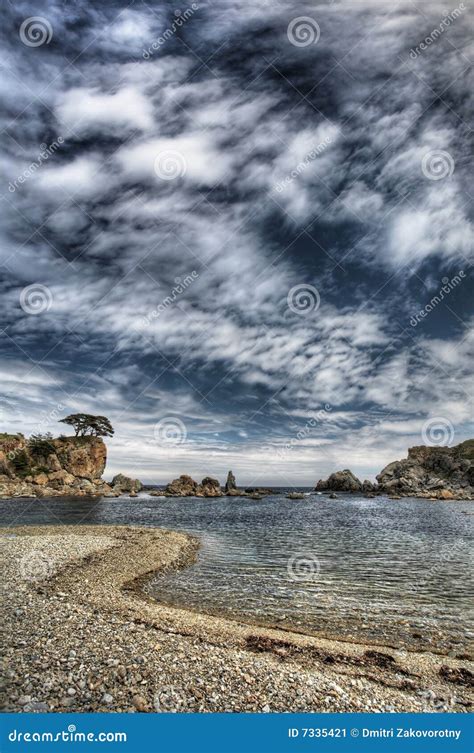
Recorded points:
184,486
368,487
124,484
341,481
437,472
230,484
209,487
41,479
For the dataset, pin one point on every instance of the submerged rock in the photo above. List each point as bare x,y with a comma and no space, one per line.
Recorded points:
295,495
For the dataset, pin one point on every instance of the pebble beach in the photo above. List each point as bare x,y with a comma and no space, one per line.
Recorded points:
81,633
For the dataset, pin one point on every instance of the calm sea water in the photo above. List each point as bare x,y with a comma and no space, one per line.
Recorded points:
394,572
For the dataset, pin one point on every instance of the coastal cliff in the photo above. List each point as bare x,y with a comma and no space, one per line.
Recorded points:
432,472
40,467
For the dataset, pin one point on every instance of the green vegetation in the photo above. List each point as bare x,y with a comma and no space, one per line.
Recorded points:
21,463
41,445
466,449
85,424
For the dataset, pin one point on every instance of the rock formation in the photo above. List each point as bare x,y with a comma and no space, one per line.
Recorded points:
440,472
230,485
124,484
185,486
341,481
47,467
427,472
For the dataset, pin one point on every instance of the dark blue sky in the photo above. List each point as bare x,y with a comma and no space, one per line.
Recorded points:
223,224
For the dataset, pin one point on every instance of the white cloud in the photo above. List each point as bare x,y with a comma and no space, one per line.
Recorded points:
90,111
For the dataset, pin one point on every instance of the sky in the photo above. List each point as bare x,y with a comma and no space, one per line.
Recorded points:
242,230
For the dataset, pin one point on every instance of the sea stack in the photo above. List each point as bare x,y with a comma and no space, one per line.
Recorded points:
230,484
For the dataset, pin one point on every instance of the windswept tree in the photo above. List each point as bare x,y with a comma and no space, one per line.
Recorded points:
84,424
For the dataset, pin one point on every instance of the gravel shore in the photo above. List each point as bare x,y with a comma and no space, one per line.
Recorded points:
81,634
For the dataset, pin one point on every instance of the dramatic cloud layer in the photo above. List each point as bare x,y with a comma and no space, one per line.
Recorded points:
242,230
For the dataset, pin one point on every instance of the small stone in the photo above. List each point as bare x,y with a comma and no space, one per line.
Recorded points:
266,708
38,707
71,691
24,699
107,698
140,703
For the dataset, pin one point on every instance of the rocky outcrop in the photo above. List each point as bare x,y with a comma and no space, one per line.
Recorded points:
230,485
341,481
209,487
427,472
185,486
47,467
439,472
124,484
